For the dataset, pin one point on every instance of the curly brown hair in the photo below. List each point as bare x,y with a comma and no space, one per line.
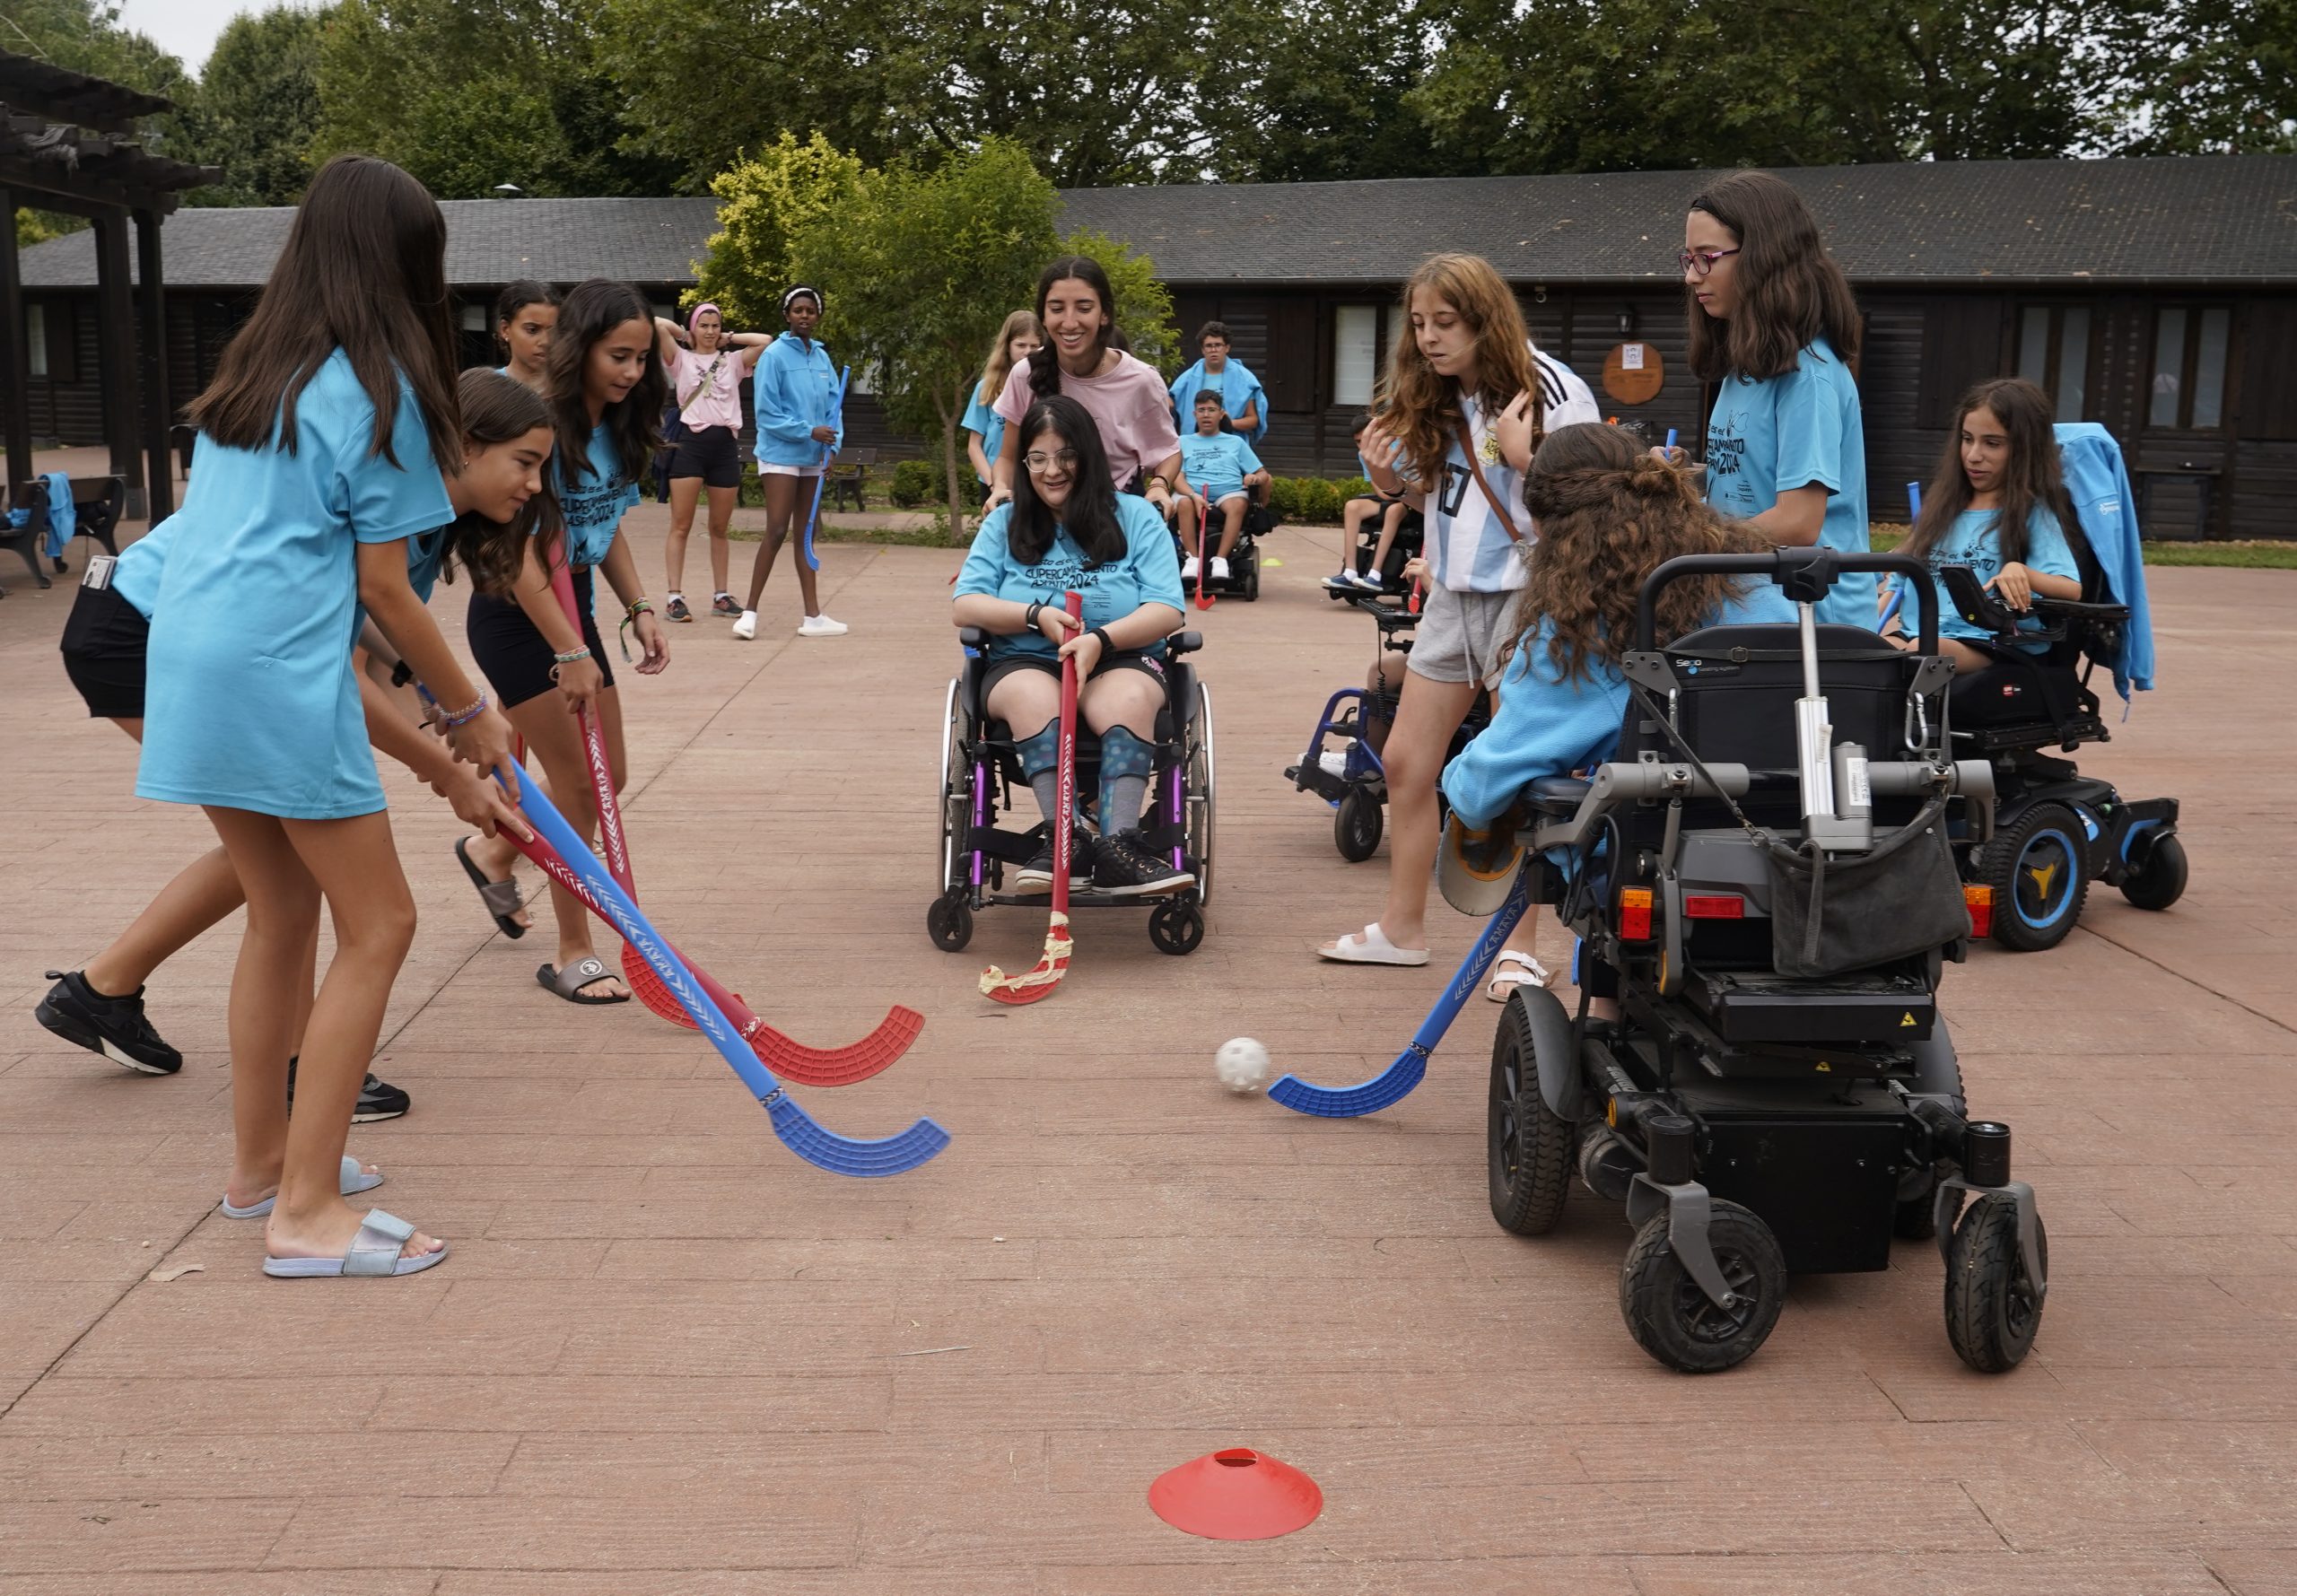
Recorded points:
1420,406
1609,513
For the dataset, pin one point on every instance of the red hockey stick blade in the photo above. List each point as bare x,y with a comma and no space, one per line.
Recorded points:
784,1055
1036,985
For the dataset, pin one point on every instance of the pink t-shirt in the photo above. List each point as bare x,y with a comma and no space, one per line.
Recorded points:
708,399
1129,403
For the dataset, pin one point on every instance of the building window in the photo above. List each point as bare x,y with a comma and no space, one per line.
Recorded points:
2054,354
2188,387
36,338
1355,354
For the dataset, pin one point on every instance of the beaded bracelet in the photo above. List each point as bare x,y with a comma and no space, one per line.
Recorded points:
572,655
461,718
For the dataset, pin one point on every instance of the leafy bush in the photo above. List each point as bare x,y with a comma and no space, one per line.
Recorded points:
918,482
1315,500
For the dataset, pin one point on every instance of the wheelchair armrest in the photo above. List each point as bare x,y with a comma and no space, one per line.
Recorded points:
971,637
1558,795
1184,642
1974,604
2075,609
1392,620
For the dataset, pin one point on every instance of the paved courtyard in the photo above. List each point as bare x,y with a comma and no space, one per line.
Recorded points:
667,1359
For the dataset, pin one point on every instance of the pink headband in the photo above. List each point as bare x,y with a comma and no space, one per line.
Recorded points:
695,314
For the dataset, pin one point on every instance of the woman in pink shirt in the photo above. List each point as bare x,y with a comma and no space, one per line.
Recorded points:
707,366
1125,397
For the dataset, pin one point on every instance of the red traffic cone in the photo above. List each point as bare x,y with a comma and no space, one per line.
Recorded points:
1235,1494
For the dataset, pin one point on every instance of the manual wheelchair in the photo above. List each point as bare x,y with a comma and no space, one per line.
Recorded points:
980,772
1779,1094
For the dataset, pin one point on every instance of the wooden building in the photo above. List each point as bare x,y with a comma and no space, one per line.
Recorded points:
2157,296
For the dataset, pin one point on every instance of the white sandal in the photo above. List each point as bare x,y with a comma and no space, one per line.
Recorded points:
1528,971
1371,946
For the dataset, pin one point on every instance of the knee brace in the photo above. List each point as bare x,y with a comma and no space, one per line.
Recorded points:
1040,751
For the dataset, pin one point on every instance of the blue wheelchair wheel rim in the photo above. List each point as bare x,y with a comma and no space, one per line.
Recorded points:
2042,881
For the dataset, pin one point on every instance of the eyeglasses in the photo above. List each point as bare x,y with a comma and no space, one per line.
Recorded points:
1041,464
1699,262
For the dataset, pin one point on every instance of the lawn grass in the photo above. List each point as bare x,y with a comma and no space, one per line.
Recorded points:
1883,537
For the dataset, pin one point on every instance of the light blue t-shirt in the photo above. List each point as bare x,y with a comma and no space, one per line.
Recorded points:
1147,572
142,563
1549,726
980,418
1217,465
1972,541
596,502
249,701
1768,437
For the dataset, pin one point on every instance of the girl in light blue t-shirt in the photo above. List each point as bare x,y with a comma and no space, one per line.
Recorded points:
1998,504
1021,336
1773,329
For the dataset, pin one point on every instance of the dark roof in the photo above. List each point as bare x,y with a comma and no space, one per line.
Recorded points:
2173,220
489,242
73,96
2190,220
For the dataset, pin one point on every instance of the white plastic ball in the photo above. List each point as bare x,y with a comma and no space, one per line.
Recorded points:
1242,1065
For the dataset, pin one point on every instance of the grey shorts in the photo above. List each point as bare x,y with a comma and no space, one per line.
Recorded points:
1460,636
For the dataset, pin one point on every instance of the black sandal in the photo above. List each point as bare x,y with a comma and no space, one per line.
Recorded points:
499,897
577,979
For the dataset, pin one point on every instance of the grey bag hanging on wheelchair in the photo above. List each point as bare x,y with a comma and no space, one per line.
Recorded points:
1854,912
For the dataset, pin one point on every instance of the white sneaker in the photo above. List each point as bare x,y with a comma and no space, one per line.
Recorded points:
821,626
1219,569
1333,761
1188,569
745,628
1365,581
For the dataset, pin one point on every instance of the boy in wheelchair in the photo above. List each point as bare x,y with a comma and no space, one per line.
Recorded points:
1384,532
1067,529
1765,895
1224,480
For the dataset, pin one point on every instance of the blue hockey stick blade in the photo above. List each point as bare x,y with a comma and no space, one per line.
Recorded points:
1389,1087
850,1156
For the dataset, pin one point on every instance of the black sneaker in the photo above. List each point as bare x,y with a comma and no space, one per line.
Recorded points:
724,605
114,1028
1127,867
1035,877
678,611
378,1099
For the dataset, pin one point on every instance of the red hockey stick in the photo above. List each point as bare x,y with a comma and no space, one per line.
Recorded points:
1036,985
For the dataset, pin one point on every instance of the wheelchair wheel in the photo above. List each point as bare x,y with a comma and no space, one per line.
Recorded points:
949,920
2037,870
1992,1309
1528,1144
1198,797
1249,590
954,798
1671,1318
1176,925
1356,824
2160,878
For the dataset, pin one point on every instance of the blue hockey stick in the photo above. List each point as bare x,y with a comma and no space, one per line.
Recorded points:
826,1149
1396,1083
813,561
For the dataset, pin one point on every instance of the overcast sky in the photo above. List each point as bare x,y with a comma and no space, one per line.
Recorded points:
186,28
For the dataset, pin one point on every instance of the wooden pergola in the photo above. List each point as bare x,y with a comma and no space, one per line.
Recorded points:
69,143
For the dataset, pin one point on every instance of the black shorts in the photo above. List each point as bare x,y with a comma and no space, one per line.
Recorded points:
105,639
518,658
710,453
1139,660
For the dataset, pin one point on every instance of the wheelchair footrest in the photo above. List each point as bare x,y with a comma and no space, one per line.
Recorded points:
1756,1006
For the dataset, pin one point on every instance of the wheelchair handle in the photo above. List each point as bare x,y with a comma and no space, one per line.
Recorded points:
1805,573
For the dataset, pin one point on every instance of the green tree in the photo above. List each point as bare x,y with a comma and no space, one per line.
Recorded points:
1144,306
921,265
762,201
259,106
1319,91
2225,84
467,94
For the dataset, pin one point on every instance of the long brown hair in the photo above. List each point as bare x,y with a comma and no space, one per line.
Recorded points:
1609,513
1420,407
2032,479
498,409
998,366
365,270
1791,292
589,312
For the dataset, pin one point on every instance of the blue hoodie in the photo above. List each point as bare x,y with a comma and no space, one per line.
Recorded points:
1238,388
795,391
2108,512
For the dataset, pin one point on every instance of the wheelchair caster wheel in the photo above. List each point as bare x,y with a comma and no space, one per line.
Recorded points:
1671,1318
1992,1309
1176,926
2159,879
949,920
1356,824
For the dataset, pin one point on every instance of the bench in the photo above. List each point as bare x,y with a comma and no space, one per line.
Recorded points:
850,475
97,502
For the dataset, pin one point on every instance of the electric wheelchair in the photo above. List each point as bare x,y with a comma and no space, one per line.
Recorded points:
1412,534
1762,877
981,772
1242,580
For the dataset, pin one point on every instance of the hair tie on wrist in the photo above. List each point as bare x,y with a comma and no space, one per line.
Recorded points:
458,718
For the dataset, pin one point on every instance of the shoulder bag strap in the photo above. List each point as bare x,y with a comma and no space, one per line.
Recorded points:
702,388
1467,448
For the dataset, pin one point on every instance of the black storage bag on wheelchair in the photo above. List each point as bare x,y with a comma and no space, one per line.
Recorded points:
1829,916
